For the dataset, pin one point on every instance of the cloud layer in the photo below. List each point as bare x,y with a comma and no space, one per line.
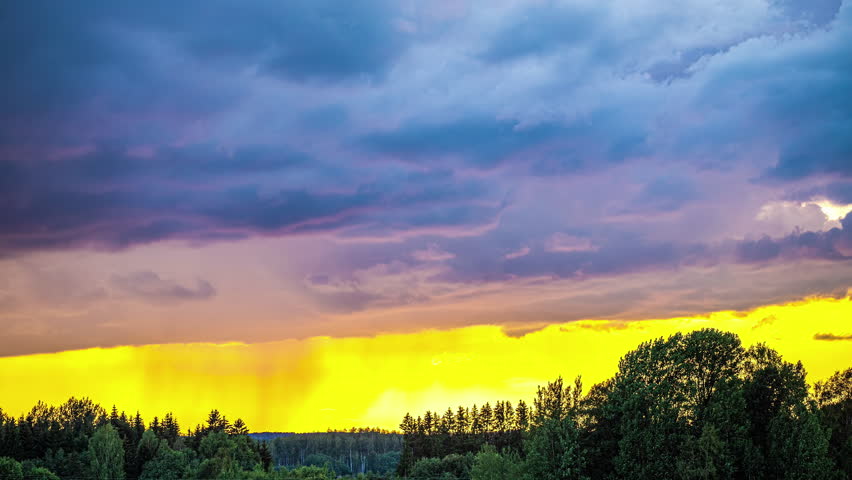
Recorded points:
422,156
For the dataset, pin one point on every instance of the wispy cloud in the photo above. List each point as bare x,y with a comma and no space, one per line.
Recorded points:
149,286
831,337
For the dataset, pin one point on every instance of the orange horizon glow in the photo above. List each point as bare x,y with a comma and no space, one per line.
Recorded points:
336,383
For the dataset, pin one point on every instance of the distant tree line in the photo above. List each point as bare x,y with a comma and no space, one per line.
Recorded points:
465,430
691,406
345,453
79,440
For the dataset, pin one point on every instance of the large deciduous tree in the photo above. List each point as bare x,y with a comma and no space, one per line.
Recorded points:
106,454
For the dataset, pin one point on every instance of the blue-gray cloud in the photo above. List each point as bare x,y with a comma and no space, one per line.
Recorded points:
482,141
541,29
110,199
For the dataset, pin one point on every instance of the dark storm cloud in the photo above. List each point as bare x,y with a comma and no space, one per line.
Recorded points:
479,141
300,40
837,192
142,73
113,167
826,149
541,29
482,141
794,95
625,254
110,199
68,51
123,124
483,258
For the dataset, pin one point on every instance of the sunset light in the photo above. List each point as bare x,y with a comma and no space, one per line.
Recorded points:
426,240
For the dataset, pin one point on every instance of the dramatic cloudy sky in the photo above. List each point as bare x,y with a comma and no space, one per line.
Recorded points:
216,171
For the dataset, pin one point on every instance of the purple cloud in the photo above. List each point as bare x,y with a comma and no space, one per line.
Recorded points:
431,155
150,287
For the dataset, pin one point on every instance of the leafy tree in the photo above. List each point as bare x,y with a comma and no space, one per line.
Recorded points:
488,464
834,399
37,473
9,441
307,473
599,438
106,454
168,464
799,447
228,454
427,469
453,466
458,466
781,420
554,452
10,469
148,447
661,397
701,456
68,465
552,402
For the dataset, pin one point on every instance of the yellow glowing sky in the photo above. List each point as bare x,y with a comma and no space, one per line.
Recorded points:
320,383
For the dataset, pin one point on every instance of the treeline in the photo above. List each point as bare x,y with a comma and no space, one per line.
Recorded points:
345,453
79,440
692,406
465,430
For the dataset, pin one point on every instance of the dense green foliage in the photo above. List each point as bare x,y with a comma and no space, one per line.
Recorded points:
106,454
691,406
834,398
80,440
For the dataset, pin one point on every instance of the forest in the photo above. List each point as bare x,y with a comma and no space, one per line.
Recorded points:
345,453
698,405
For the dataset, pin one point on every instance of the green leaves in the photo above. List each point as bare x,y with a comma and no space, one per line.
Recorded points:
553,451
106,454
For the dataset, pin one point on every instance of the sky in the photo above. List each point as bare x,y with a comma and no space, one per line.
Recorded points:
296,198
